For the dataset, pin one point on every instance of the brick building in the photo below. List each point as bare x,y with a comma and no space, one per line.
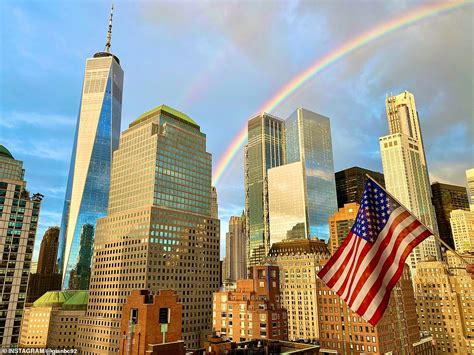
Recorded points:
149,318
253,310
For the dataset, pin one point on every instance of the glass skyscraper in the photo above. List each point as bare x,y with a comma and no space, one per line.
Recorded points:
265,150
308,140
96,138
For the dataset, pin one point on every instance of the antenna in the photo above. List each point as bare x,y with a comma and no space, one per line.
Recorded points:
109,33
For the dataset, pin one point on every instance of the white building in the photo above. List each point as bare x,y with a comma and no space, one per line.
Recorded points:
405,169
462,225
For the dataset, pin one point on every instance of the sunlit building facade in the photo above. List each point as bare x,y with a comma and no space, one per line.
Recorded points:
340,224
470,187
158,232
96,138
288,205
462,226
18,224
405,169
235,261
308,140
265,150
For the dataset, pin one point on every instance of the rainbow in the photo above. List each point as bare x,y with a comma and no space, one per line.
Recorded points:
320,64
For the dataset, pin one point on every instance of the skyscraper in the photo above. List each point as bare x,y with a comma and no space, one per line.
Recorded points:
470,187
265,150
340,224
235,261
18,223
405,169
288,202
350,184
447,198
96,138
158,232
46,277
298,261
308,140
462,226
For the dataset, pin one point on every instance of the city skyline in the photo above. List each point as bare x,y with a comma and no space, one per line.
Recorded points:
55,119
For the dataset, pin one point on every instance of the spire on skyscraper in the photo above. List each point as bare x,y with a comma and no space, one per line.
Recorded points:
109,32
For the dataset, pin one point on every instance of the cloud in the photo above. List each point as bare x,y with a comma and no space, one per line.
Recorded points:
21,119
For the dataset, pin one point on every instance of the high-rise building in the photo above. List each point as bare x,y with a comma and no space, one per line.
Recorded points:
288,203
214,204
253,310
462,226
297,261
235,261
150,319
405,169
350,184
470,187
445,307
340,224
308,140
96,138
158,232
447,198
18,223
345,332
45,278
52,320
265,150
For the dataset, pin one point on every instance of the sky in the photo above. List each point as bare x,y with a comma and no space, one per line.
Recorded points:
219,62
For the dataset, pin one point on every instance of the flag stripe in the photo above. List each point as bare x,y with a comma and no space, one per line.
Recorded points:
340,267
337,255
397,221
343,279
379,310
390,262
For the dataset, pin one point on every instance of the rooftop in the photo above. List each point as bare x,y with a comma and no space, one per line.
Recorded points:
4,152
168,111
63,299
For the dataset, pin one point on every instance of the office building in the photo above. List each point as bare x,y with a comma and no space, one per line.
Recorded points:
445,307
235,261
18,224
447,198
253,310
46,278
297,261
158,232
214,204
350,184
462,226
148,319
344,332
340,224
96,138
308,140
51,321
265,149
405,169
470,187
288,203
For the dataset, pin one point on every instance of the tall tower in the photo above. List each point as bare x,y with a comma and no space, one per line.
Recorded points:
265,150
159,231
308,140
236,247
96,138
18,223
405,169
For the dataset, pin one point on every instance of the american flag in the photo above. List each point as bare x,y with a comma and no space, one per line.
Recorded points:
370,261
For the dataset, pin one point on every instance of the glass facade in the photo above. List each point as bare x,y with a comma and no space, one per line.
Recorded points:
287,202
308,139
97,135
265,150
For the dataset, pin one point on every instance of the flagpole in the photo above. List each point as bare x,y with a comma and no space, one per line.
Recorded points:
429,229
